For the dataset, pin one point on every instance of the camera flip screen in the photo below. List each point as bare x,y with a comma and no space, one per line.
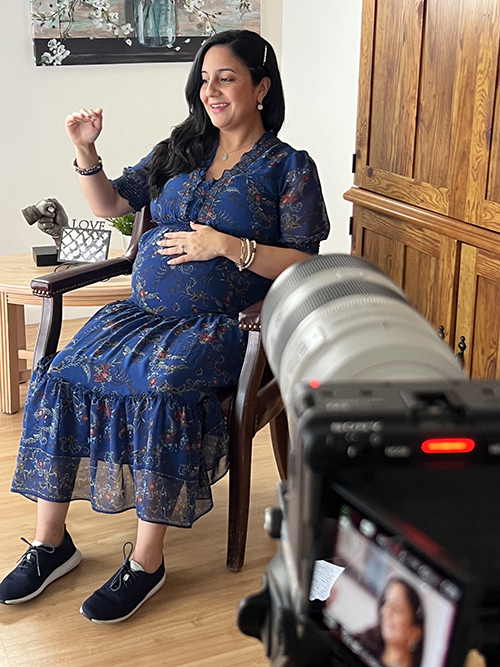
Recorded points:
389,606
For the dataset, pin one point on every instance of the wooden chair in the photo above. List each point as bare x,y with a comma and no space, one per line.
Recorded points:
248,407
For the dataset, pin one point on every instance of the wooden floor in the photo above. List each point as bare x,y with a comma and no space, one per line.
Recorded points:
191,622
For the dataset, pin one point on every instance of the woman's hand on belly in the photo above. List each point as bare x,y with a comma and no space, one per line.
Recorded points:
205,243
200,245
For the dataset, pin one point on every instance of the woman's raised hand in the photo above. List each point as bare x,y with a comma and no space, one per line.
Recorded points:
84,126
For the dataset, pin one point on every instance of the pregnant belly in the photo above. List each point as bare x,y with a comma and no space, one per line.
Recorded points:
185,289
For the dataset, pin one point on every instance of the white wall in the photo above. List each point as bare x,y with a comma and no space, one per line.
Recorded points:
320,64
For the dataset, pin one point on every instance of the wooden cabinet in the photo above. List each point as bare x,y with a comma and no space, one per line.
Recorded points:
424,263
427,195
426,106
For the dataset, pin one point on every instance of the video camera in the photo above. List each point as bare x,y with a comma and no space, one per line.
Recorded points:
389,521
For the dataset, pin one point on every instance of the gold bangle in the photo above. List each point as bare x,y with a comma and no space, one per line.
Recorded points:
244,254
247,254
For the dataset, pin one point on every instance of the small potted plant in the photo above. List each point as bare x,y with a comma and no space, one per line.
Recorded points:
125,225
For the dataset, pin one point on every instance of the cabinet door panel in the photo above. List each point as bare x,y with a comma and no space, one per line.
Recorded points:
384,252
478,312
396,64
426,99
422,262
491,211
433,148
421,280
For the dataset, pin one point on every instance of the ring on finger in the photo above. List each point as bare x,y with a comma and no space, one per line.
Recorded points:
182,249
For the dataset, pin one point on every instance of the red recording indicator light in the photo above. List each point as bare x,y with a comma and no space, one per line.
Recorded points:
315,384
448,446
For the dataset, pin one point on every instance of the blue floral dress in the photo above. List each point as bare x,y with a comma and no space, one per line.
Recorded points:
127,414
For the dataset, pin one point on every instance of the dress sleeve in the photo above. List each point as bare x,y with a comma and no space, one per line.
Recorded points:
132,185
303,217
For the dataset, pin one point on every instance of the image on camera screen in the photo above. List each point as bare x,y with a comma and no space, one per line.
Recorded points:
388,606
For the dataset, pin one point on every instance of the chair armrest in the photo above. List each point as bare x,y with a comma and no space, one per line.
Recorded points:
249,319
79,276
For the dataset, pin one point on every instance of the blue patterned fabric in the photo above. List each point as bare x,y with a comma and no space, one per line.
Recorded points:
127,414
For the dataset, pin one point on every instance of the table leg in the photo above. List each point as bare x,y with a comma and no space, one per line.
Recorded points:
9,360
21,340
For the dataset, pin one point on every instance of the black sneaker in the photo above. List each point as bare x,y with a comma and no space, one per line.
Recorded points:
38,567
124,593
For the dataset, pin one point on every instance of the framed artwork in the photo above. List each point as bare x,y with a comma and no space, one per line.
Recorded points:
91,32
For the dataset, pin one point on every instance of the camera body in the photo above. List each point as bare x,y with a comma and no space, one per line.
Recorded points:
393,471
419,463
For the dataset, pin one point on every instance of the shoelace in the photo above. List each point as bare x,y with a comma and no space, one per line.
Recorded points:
125,572
33,550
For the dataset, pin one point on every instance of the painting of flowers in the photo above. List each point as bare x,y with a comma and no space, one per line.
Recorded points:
81,32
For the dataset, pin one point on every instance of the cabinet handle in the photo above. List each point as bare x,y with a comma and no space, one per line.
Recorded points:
462,347
441,332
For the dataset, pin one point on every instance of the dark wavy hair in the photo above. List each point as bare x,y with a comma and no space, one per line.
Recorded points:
191,141
417,612
372,639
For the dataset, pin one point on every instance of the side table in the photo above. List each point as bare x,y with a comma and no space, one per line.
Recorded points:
16,274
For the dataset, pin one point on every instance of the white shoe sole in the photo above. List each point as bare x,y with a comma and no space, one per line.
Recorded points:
124,618
57,574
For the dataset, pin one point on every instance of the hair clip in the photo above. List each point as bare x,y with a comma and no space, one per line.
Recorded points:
265,55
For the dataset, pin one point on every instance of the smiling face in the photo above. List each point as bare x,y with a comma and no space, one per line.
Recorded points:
398,625
228,93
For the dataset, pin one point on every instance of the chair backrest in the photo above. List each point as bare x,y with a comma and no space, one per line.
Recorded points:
142,223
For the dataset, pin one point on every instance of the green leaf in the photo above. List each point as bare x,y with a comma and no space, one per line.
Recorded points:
124,223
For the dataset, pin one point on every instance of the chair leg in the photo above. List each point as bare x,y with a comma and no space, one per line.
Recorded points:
239,503
279,438
241,432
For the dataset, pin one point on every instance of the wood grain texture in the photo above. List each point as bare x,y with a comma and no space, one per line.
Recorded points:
450,227
421,284
435,109
426,102
481,28
493,187
386,253
466,302
396,70
449,276
478,316
9,361
364,87
485,362
491,215
422,262
424,195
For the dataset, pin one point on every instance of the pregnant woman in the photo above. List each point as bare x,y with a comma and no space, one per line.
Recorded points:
127,416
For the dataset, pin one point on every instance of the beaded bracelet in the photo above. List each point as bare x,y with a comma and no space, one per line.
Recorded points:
252,254
90,171
248,250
